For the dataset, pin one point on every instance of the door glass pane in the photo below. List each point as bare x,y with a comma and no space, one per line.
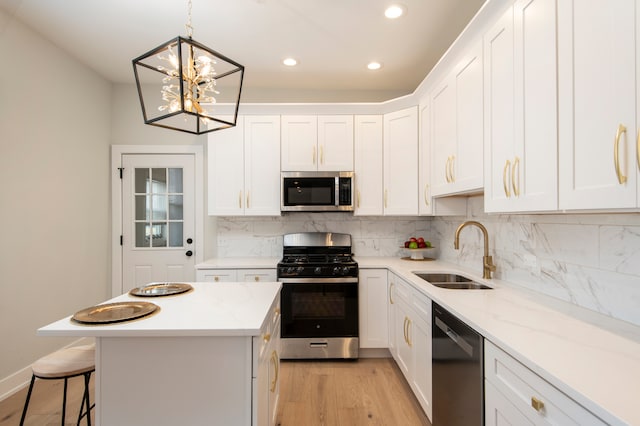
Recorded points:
175,207
141,235
159,235
159,207
175,180
159,179
175,234
141,178
142,207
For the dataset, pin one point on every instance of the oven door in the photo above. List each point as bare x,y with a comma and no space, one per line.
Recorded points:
319,307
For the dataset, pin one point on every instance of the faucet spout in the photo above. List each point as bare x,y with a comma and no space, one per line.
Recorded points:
487,261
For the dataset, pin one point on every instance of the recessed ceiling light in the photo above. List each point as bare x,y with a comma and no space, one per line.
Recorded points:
395,11
290,62
374,65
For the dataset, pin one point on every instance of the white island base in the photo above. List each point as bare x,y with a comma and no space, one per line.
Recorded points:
209,357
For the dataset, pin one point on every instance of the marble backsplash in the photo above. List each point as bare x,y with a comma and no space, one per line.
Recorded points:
262,236
590,260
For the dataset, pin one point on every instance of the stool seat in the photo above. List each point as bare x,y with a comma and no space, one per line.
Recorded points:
66,362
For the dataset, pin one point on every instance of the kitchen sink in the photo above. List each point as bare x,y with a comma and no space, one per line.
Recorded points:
452,281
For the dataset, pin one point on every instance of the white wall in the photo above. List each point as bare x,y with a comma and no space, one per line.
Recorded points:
54,192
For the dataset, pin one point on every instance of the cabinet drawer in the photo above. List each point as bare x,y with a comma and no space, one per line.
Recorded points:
216,275
257,275
526,390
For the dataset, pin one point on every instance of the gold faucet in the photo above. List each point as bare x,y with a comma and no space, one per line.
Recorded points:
487,261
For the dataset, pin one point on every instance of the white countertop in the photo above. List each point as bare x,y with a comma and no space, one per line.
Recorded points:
239,263
220,309
593,359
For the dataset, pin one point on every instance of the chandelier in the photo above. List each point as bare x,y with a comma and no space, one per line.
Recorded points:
199,89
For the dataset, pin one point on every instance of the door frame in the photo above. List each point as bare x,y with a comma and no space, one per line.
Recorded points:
117,151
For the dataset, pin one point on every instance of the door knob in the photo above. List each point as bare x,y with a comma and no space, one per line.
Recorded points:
189,240
189,253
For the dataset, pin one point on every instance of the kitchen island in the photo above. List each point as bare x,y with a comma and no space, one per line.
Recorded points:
208,356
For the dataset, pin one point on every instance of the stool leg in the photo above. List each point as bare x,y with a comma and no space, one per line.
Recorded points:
85,397
26,403
64,400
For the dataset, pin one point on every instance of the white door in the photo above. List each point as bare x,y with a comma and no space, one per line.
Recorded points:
158,218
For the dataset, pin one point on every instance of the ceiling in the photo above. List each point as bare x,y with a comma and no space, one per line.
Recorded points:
333,40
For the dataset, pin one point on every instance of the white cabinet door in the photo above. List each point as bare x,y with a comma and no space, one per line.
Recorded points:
262,165
499,411
372,301
597,102
401,163
335,143
457,127
368,165
466,166
225,168
422,371
391,313
299,143
425,204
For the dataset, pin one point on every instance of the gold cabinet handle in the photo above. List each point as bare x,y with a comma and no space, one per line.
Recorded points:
267,337
276,368
446,170
216,279
391,293
358,198
240,199
515,172
256,278
537,404
452,171
426,197
409,332
248,204
638,149
321,154
507,191
313,156
405,330
616,158
386,197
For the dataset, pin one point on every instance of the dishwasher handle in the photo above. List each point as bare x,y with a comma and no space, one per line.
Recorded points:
462,344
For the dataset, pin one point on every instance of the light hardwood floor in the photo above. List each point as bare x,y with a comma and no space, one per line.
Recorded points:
323,393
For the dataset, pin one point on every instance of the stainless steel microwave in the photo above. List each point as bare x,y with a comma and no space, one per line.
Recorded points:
317,191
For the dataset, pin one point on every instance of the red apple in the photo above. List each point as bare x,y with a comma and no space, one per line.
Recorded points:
406,244
421,244
420,240
413,240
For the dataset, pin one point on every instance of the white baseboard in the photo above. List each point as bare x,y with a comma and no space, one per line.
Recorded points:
20,379
374,353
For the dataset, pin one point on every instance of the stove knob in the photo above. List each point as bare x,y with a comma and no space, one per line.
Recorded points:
345,270
289,270
317,270
336,270
300,269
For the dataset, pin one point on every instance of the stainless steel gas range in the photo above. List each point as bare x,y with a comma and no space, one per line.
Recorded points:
319,297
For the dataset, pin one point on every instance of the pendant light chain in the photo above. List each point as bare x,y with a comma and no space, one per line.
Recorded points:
189,27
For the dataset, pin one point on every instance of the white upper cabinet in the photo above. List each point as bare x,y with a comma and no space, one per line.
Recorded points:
425,204
597,54
457,127
244,168
311,143
368,165
520,109
400,171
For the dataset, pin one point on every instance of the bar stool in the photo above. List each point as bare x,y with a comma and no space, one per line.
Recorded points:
64,364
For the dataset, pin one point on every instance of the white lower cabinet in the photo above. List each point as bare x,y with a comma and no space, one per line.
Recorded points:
411,312
516,395
240,275
372,301
266,368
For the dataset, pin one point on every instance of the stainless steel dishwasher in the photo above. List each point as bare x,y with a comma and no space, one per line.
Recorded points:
458,370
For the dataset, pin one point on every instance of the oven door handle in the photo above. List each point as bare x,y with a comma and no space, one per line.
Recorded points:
348,280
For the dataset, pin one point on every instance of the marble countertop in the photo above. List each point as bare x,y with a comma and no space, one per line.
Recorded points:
220,309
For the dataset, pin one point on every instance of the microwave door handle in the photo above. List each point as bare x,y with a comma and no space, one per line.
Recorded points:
336,198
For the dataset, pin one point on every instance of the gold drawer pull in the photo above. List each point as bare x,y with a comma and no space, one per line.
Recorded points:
267,337
216,279
256,278
426,197
515,172
452,171
358,198
537,404
391,293
446,170
276,362
616,157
